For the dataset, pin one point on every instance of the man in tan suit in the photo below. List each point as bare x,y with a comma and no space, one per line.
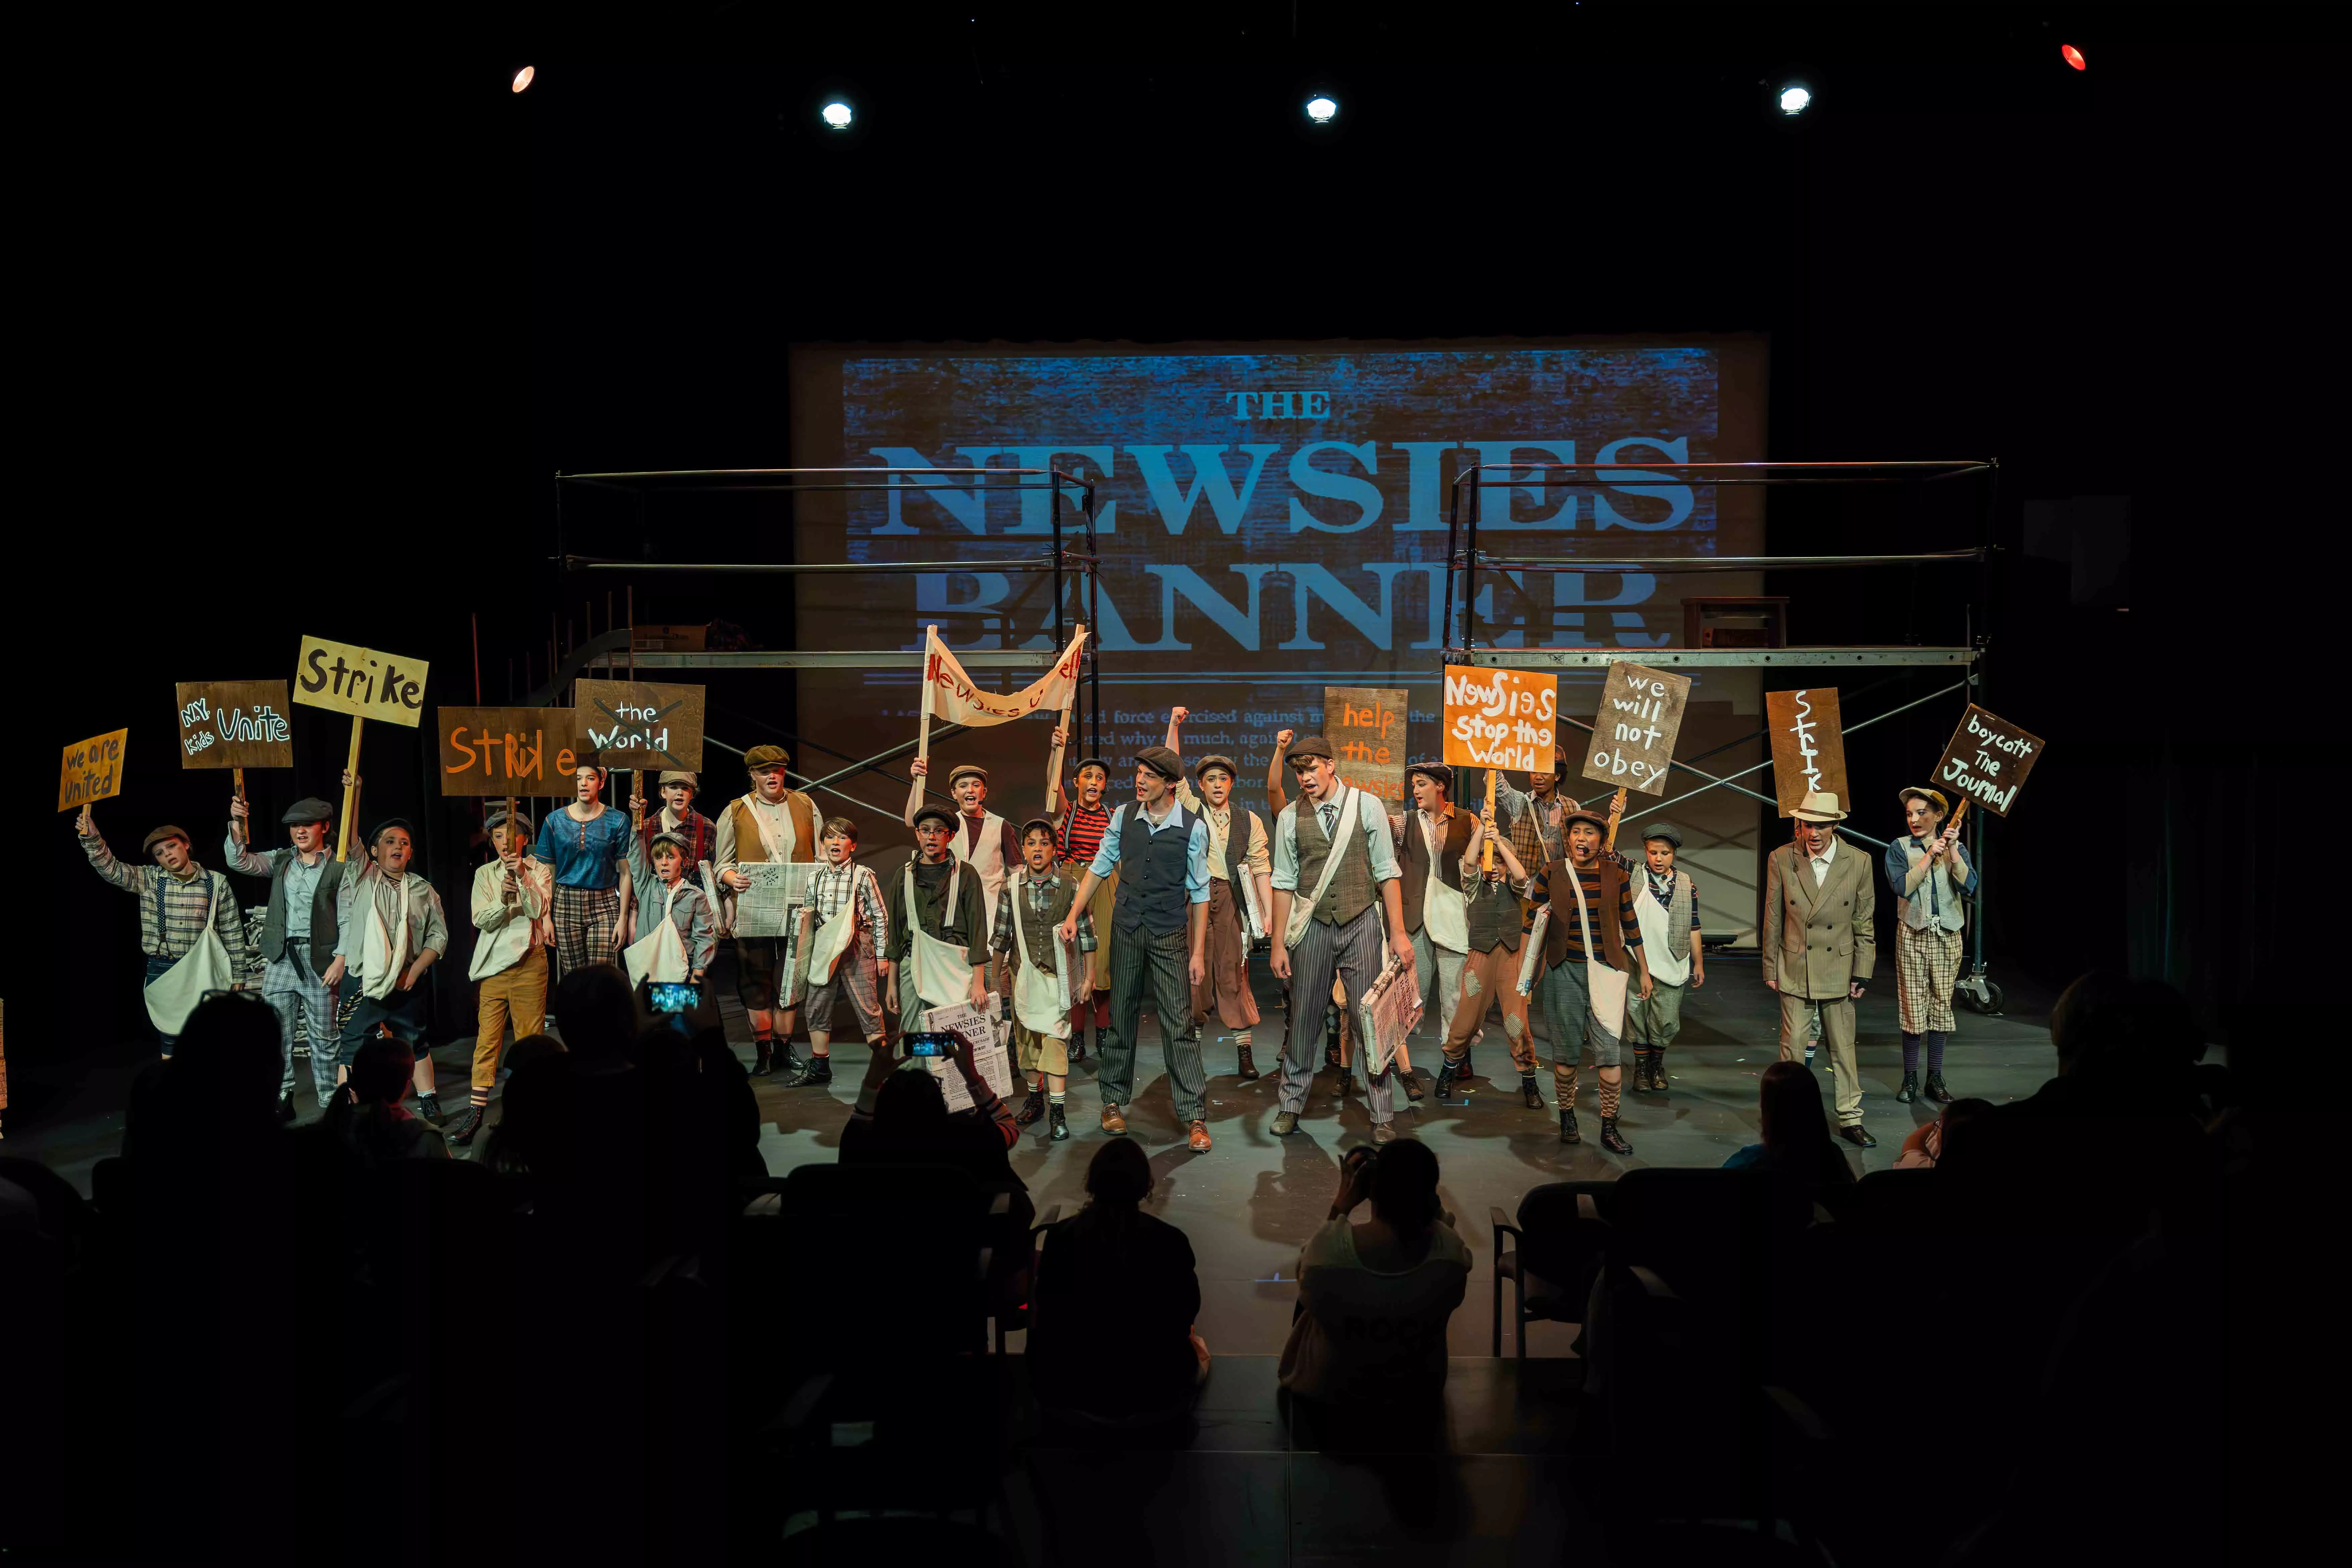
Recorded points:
1821,900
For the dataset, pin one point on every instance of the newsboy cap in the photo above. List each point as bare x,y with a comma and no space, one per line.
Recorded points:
1933,798
1437,773
966,771
1309,746
760,758
1664,830
933,811
310,808
677,775
147,844
1216,760
1161,761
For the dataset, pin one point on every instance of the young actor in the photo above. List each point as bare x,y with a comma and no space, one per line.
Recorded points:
1932,878
1821,943
1083,818
695,831
985,841
298,935
1037,968
673,904
511,896
587,844
1565,992
1239,875
1490,971
1430,841
1161,920
389,932
1667,903
773,822
844,958
179,902
1334,853
937,924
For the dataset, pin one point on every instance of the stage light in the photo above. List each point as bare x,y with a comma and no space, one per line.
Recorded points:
1322,109
836,115
1794,97
522,77
2073,56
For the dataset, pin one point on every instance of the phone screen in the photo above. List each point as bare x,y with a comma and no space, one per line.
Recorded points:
673,996
931,1044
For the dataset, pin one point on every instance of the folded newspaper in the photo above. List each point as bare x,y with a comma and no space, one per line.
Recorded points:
1531,952
1386,1014
988,1052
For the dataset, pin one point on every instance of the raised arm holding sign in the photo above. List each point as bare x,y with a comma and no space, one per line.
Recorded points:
364,684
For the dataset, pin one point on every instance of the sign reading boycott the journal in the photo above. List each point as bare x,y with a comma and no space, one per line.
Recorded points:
1808,746
1987,761
360,682
1365,725
1500,719
637,724
92,770
1634,729
508,751
235,724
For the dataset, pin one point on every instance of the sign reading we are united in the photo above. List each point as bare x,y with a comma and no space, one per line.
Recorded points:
360,682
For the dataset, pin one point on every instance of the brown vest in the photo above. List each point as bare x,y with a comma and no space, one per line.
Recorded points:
1350,892
1037,929
1602,911
750,846
1456,838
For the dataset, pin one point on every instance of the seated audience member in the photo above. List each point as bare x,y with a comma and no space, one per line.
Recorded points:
902,1118
1925,1147
368,1118
532,1048
1795,1131
1374,1297
1115,1290
598,1015
533,1136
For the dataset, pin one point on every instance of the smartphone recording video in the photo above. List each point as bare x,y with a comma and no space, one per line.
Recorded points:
931,1044
672,996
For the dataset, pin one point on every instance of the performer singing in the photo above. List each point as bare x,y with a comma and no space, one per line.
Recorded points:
1240,892
680,931
1565,991
774,823
1339,1047
179,903
985,841
1666,902
695,831
305,878
1431,839
1820,945
845,959
389,930
1932,878
937,924
1083,818
1161,919
1536,820
1490,973
1334,854
587,843
1037,969
509,905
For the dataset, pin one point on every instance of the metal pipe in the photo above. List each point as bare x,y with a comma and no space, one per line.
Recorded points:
1847,730
811,568
1670,566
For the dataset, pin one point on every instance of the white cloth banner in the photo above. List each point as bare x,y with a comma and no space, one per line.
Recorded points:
950,696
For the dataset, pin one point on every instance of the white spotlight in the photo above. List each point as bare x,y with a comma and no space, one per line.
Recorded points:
1321,110
522,77
836,115
1794,97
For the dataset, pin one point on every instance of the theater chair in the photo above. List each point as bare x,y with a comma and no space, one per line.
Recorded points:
1557,1243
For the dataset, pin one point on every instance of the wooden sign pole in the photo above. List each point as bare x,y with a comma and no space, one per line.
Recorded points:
245,825
923,737
1054,764
1490,811
1616,810
351,767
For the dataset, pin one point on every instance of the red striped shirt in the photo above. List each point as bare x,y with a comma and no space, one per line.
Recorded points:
1082,831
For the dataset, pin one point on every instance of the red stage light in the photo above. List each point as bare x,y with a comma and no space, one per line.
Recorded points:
2073,57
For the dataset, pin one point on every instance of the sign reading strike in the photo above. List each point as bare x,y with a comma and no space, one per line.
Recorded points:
235,724
360,682
1500,719
1365,725
637,724
508,751
1633,731
1988,759
1808,746
92,770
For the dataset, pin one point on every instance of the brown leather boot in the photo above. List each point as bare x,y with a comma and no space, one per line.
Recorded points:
1247,1070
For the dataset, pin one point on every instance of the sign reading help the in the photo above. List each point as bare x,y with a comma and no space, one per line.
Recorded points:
1808,746
235,724
637,724
1365,727
92,770
1987,761
507,751
360,682
1633,732
1500,719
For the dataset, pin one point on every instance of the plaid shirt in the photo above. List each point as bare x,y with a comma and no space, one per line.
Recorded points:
1527,821
1043,890
186,905
832,888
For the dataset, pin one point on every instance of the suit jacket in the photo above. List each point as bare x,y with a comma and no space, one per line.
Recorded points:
1819,940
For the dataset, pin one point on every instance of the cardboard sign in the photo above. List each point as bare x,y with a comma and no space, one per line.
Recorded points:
92,770
637,724
1808,746
1635,728
1366,728
360,682
235,724
508,751
1987,761
1501,718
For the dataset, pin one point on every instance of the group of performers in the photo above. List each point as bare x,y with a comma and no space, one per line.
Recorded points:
1077,922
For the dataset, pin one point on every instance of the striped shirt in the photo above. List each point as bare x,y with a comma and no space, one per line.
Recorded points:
186,905
1082,831
1043,890
832,888
1563,913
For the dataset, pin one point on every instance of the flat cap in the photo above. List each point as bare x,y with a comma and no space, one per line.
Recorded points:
1599,819
1085,763
157,835
1161,761
677,775
933,811
1309,746
1933,798
388,824
759,758
1436,773
497,818
1216,760
966,771
1664,830
310,808
1045,822
670,838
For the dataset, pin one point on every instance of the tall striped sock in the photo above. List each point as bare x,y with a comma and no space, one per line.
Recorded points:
1608,1098
481,1094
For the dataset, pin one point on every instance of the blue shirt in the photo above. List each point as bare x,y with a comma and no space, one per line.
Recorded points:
1898,870
586,854
1196,850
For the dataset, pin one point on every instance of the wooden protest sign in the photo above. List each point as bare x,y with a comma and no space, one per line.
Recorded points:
508,751
1500,719
235,724
1808,746
1987,761
360,682
642,725
1633,729
92,770
1365,727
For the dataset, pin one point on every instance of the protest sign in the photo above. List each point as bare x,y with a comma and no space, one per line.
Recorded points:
360,682
1366,728
507,751
1635,728
640,725
1500,719
235,724
92,770
1808,746
1987,761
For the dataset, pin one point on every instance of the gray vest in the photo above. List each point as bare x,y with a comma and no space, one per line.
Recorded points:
1949,912
1350,892
322,910
1678,913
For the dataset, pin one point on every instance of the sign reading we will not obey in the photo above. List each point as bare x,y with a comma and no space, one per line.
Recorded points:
1634,729
1808,746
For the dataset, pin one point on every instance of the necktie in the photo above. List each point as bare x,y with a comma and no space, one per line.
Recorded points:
1330,820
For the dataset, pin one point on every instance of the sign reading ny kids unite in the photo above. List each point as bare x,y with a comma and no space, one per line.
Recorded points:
360,682
235,724
1500,719
1634,729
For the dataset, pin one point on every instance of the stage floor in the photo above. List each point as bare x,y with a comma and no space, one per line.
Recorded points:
1250,1201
